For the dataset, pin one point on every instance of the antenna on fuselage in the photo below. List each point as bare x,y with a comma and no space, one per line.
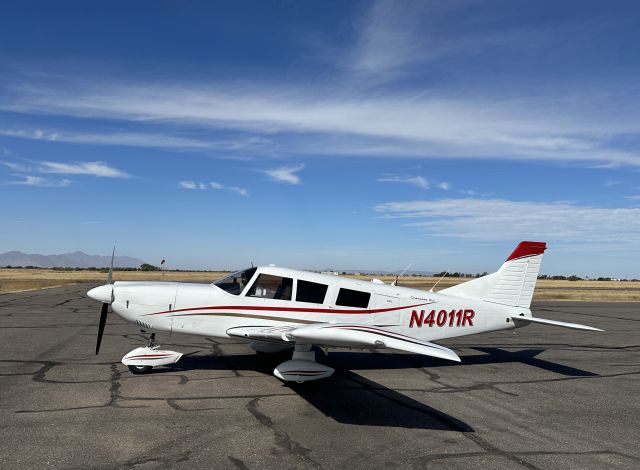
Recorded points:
395,283
438,281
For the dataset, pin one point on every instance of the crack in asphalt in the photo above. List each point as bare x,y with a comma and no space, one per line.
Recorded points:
282,439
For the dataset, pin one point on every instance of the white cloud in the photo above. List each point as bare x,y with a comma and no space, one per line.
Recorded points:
240,191
285,174
38,181
188,185
500,219
395,35
16,167
573,127
213,186
635,197
418,181
141,139
99,169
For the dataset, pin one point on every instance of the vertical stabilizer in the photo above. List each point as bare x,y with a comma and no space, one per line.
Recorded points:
512,284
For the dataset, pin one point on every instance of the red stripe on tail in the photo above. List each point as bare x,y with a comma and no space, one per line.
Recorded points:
525,249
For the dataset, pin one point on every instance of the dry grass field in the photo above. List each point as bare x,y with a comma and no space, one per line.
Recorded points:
15,280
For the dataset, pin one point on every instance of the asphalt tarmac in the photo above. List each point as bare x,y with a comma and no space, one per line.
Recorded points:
539,397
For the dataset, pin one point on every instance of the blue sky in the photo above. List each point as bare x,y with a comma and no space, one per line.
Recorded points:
343,135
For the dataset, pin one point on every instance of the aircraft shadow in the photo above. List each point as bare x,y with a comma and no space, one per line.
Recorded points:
346,397
349,398
352,399
525,356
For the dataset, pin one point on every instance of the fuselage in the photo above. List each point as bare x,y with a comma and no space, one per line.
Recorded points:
275,296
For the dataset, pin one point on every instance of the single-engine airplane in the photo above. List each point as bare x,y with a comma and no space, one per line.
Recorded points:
278,308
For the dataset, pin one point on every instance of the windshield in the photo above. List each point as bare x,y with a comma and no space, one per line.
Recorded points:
236,282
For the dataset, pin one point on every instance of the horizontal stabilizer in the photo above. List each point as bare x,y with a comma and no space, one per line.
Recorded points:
364,336
543,321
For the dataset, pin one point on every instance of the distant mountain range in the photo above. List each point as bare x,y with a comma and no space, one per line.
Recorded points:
77,259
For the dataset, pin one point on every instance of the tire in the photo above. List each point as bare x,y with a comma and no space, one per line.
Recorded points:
140,369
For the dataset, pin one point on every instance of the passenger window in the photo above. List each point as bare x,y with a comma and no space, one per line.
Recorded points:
311,292
272,287
353,298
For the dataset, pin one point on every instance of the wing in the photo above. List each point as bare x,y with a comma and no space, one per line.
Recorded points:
544,321
364,336
344,335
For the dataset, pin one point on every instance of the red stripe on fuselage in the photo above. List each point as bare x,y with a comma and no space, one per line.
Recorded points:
150,355
289,309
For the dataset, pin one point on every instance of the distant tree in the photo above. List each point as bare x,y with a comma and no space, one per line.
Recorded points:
148,267
573,277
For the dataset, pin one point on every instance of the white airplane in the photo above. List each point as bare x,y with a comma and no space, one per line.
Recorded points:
277,309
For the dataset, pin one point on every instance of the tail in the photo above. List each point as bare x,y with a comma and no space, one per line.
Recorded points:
512,284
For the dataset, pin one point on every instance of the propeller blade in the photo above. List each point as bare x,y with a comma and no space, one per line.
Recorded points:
103,321
110,275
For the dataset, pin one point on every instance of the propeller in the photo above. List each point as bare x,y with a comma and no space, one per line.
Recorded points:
105,305
103,321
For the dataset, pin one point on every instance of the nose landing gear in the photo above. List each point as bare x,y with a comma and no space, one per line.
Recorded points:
143,360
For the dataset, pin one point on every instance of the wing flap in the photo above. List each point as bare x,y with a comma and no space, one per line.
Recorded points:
364,336
261,333
544,321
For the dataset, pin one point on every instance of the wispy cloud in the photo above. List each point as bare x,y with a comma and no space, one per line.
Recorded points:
419,181
38,181
188,184
557,128
99,169
286,174
192,185
395,35
141,139
240,191
20,168
500,219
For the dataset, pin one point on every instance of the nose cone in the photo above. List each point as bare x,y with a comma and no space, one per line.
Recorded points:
101,293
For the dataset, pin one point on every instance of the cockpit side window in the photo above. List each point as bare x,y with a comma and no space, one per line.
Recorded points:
236,282
267,286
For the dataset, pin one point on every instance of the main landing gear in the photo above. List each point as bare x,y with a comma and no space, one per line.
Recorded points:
143,360
302,367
